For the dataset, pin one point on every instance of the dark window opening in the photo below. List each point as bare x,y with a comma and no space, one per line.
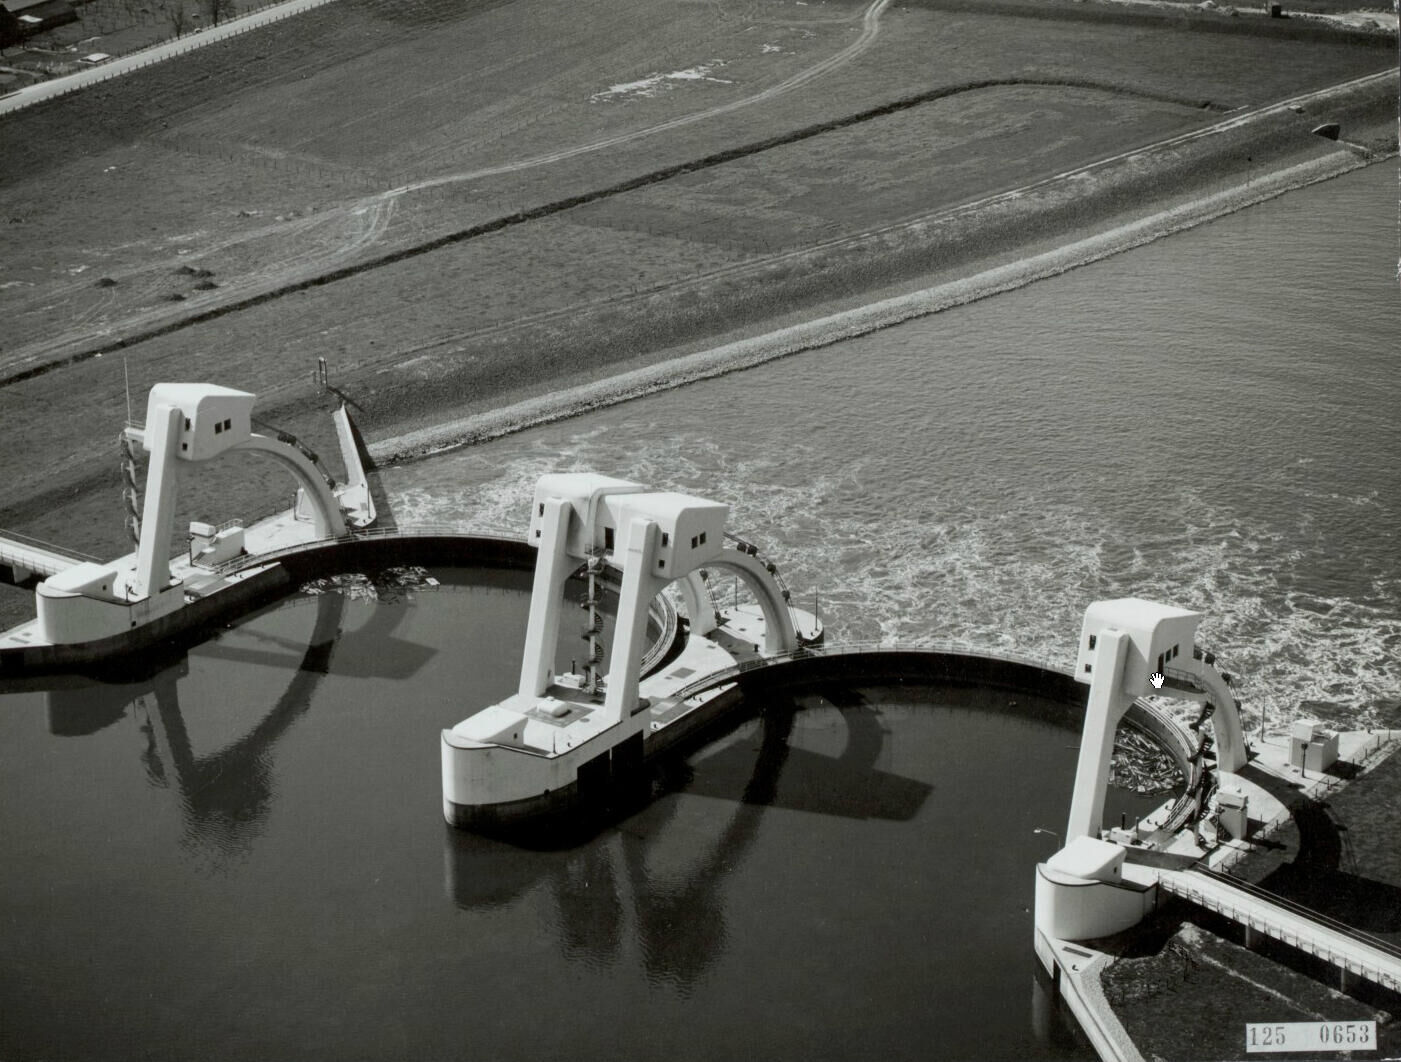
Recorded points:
187,423
228,424
666,539
218,427
694,542
1092,641
702,538
542,508
1087,669
608,539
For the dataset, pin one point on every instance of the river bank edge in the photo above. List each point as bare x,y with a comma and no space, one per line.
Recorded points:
402,422
837,320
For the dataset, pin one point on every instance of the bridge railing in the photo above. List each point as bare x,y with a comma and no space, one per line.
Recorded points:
1386,975
17,539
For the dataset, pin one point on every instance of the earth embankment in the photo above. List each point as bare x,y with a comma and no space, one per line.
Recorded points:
533,216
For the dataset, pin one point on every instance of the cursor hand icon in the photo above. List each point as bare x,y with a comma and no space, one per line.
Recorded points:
1157,680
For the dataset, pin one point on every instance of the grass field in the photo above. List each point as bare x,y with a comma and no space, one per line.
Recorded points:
458,204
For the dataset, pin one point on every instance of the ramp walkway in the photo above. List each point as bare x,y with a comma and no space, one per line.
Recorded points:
22,554
1352,951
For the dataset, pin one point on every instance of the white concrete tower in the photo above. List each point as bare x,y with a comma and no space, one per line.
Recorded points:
186,425
652,538
666,536
564,739
1123,644
1086,889
184,422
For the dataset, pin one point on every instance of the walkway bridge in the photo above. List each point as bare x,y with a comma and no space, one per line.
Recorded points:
22,558
1355,954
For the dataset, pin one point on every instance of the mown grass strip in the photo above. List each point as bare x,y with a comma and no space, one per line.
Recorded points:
545,210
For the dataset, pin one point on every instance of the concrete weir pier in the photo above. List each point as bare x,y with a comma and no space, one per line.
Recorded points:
565,739
1104,883
88,612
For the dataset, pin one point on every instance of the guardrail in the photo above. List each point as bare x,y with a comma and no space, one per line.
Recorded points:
1180,884
849,648
253,560
39,543
12,551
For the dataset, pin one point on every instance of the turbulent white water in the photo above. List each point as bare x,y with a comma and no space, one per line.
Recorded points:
1207,421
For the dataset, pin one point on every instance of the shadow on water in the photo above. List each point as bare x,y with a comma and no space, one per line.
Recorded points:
226,796
373,650
596,867
849,785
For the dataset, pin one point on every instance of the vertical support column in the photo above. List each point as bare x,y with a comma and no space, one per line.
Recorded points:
153,552
1347,980
546,600
700,609
1107,704
629,634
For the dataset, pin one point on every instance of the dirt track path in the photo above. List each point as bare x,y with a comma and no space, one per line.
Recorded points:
337,237
870,30
334,244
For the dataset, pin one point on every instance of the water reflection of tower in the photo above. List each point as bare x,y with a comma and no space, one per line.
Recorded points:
679,919
225,797
681,922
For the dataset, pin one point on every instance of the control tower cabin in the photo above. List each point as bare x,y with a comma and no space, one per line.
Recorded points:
1123,644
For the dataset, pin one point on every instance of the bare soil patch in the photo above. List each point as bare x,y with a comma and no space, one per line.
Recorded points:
1192,998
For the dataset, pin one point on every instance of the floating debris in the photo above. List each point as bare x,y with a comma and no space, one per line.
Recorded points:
386,587
1141,765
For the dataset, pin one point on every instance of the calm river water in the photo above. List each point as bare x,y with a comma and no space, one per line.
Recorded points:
242,856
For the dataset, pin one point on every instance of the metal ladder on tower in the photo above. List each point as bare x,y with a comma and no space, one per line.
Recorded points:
593,679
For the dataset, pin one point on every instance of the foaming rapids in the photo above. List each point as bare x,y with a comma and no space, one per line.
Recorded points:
887,559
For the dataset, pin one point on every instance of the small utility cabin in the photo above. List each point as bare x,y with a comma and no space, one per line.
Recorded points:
23,18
